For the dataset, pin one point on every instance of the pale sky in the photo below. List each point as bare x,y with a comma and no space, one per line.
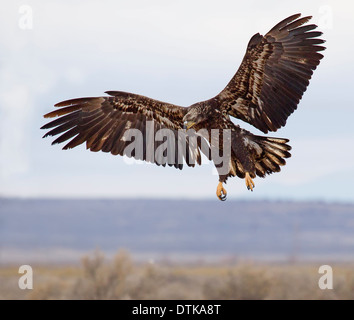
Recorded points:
179,52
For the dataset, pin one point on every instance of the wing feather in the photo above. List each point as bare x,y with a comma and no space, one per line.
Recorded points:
101,122
274,74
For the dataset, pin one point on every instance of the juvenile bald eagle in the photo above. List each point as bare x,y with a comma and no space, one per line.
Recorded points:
265,90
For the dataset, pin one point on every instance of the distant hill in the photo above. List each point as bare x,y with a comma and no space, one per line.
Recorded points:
62,230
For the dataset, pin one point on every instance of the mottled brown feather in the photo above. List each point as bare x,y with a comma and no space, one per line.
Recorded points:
274,74
101,123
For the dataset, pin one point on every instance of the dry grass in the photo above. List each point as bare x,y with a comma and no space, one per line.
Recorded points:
120,278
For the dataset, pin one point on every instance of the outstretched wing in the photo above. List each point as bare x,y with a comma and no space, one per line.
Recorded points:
103,123
274,74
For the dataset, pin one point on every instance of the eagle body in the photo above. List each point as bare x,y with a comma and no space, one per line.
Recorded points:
250,153
265,90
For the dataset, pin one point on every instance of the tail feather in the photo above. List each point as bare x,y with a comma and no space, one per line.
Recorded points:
274,152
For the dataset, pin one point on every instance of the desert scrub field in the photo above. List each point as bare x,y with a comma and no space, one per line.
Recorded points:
120,278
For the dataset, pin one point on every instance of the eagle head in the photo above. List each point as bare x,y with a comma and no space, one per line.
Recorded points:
195,115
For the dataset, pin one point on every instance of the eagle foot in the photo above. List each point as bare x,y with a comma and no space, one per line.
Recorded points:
221,192
249,182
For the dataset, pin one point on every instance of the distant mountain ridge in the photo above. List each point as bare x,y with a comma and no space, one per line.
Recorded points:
56,230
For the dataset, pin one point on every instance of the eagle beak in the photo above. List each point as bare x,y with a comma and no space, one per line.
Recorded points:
188,124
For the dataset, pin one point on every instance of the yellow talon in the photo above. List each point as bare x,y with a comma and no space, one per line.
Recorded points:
221,192
249,182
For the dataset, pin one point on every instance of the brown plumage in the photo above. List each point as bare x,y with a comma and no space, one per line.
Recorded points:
274,74
266,89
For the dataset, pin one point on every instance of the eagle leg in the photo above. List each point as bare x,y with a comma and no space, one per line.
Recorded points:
221,192
249,182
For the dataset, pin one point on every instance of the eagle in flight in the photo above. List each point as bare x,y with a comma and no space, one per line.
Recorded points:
265,90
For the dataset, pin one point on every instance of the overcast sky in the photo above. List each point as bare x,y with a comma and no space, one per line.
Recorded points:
179,52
